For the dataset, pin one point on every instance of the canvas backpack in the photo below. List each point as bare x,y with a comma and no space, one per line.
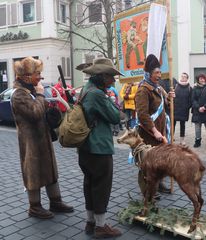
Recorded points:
74,129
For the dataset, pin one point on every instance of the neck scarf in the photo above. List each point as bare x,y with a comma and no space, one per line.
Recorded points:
147,79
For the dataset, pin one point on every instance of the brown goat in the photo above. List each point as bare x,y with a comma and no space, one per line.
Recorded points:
172,160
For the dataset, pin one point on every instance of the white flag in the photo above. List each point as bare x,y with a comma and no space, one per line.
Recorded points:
156,28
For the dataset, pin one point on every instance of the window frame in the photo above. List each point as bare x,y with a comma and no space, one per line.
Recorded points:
58,12
21,12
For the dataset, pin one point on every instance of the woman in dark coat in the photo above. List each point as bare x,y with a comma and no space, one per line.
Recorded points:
199,107
182,104
38,163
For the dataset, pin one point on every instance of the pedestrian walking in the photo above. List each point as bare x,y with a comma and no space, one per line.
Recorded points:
199,107
38,163
182,104
95,155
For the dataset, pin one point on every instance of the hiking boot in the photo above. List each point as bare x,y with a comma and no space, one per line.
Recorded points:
106,232
39,212
89,228
162,188
197,142
60,207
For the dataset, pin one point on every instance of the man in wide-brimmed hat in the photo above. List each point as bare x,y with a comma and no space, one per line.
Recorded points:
37,157
95,155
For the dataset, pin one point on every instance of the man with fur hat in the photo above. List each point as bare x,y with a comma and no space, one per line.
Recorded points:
150,101
37,157
95,155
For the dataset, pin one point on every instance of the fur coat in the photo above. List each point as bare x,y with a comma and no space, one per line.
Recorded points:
147,102
38,163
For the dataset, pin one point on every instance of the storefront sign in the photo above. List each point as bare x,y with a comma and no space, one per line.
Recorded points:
14,36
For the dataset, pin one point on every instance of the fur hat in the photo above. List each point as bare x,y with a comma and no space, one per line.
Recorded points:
151,63
28,66
102,65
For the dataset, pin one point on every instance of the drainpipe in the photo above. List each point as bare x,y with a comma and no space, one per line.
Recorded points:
71,43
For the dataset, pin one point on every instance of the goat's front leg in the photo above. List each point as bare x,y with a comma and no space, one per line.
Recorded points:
149,193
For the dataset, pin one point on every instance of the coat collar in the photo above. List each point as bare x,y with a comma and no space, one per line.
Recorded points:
17,84
151,88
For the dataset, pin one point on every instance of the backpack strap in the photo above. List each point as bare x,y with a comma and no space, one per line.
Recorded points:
81,95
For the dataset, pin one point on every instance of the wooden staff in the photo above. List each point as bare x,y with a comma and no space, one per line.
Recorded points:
169,48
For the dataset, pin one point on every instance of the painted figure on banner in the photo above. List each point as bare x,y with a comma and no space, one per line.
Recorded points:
135,41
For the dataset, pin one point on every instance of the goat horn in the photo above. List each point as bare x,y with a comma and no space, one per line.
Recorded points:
59,98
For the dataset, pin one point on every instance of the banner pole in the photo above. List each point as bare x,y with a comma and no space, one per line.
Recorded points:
169,47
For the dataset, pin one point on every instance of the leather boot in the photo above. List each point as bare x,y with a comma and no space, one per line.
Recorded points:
36,210
106,232
57,205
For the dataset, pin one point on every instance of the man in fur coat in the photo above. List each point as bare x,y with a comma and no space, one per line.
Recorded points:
38,161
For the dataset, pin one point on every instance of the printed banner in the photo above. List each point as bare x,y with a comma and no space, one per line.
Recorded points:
131,34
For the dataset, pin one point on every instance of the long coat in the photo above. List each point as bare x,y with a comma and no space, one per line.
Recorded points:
182,102
100,112
198,100
148,100
38,163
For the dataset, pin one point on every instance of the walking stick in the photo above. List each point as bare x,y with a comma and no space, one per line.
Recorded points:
69,97
169,47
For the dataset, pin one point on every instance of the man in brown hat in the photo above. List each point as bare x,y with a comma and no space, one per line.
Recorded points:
37,157
150,96
95,155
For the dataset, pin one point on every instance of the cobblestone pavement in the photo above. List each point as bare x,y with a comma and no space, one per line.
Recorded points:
15,223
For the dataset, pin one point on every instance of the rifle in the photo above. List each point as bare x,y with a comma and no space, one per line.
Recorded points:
69,97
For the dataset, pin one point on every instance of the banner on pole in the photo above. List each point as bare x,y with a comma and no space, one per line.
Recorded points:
139,32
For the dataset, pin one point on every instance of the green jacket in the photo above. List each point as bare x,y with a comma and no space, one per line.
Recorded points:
100,111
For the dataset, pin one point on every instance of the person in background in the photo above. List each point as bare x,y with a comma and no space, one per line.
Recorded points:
199,107
182,104
152,118
38,162
61,90
113,94
127,93
95,154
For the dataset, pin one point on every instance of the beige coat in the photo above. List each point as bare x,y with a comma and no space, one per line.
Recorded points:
37,157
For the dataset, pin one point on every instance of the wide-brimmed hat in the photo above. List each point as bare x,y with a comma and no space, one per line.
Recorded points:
100,66
28,66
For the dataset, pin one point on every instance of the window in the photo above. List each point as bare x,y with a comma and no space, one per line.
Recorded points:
2,15
28,12
61,11
66,68
95,12
79,13
128,4
88,58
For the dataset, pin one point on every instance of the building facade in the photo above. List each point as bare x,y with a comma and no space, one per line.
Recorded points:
188,47
34,28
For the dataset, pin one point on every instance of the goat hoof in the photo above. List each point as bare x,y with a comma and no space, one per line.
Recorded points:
143,213
192,228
